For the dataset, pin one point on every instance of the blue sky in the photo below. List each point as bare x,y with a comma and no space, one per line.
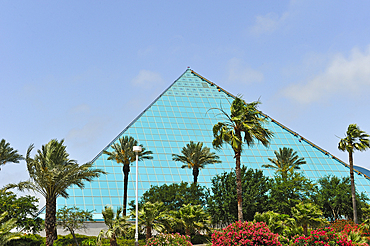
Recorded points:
83,70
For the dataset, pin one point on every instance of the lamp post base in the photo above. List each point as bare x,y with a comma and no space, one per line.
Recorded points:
136,243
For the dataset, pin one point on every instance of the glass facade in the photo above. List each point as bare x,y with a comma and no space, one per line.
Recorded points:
181,114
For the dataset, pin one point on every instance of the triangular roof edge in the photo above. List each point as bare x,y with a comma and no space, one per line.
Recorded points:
231,95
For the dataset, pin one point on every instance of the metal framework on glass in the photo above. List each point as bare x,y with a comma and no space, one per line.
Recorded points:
179,115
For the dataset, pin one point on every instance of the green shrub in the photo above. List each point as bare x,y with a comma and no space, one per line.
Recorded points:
69,240
199,239
28,240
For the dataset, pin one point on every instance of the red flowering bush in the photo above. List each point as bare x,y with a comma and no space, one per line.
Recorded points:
169,240
245,233
325,237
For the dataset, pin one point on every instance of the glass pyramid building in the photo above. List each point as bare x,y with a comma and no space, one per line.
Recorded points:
182,114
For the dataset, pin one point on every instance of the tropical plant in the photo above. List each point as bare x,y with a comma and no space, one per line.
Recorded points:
286,161
280,224
5,229
192,218
117,225
245,124
222,201
151,216
307,214
355,139
51,173
245,233
122,152
8,154
169,240
73,218
195,156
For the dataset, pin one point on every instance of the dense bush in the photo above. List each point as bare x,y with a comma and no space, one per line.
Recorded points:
245,233
28,240
326,236
169,240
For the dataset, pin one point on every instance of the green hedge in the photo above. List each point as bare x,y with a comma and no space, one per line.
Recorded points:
28,240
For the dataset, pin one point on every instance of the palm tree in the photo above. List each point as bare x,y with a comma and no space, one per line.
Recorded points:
243,125
307,214
123,153
116,224
191,218
51,173
355,139
8,154
151,216
5,229
195,156
286,161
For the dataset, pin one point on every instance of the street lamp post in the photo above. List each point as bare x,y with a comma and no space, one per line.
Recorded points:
137,149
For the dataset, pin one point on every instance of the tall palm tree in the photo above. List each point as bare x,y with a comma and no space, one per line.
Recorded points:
355,139
245,124
51,173
286,161
116,224
8,154
195,156
123,153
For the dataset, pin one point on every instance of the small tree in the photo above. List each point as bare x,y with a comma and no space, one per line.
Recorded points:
307,214
116,224
72,219
191,218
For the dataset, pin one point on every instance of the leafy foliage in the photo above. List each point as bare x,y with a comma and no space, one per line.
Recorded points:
192,218
23,209
169,240
334,198
222,204
123,153
72,219
286,193
195,156
245,233
28,240
174,196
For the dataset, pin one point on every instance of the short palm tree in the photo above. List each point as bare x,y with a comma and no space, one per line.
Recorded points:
355,139
123,153
5,229
151,216
195,156
245,124
117,225
286,161
51,173
191,218
8,154
307,214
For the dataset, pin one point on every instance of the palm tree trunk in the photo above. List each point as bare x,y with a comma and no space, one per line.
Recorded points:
195,174
353,190
50,220
239,189
148,232
305,230
126,171
113,241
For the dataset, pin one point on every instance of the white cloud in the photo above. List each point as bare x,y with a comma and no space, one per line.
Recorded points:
147,79
344,76
240,72
268,23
